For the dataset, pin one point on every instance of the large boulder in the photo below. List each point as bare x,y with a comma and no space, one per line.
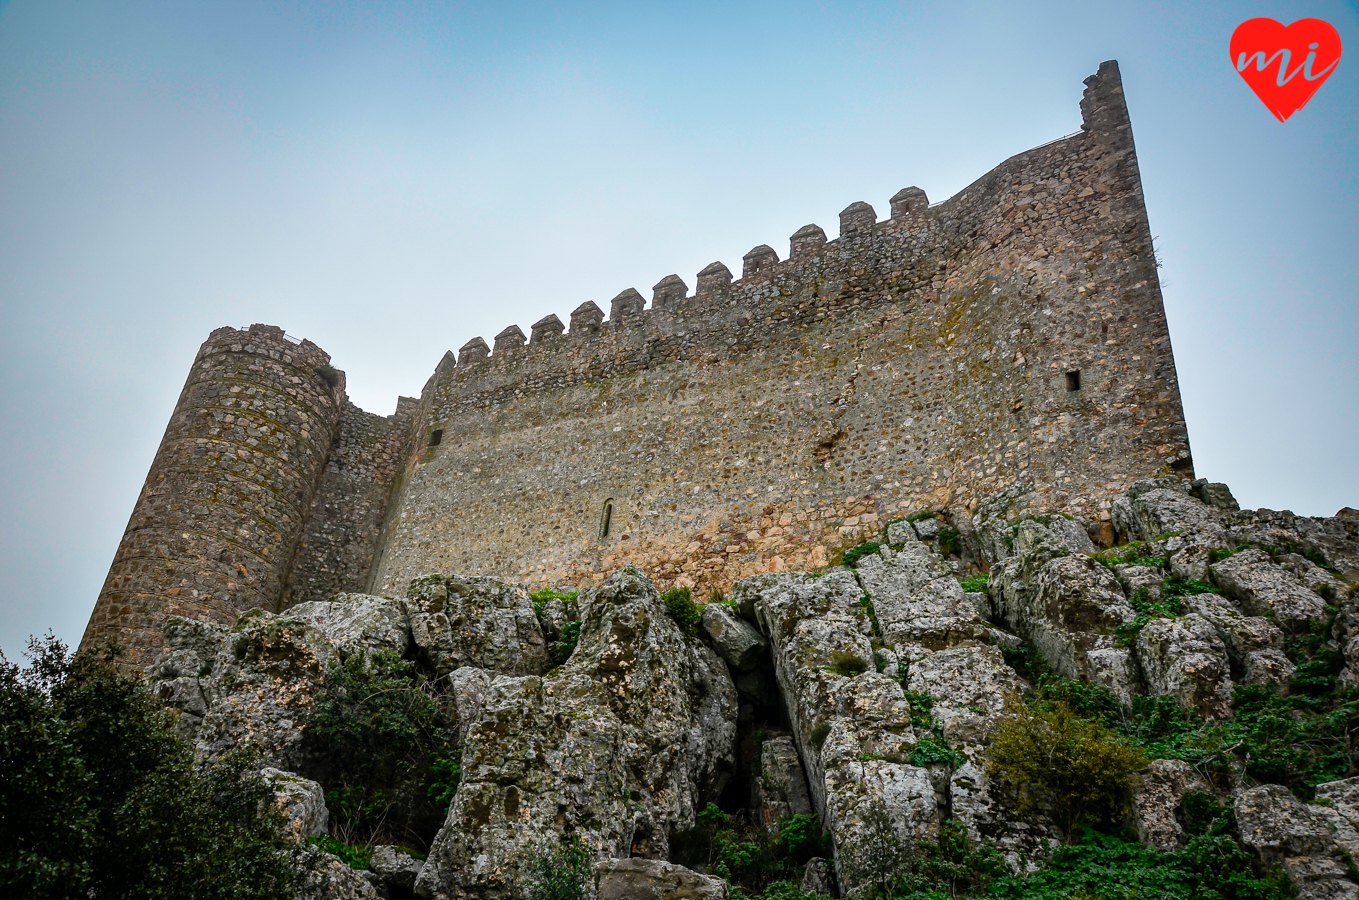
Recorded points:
1253,643
1262,588
969,686
1155,507
1185,659
653,879
621,746
471,621
302,802
1282,830
395,866
781,788
917,599
1158,800
734,639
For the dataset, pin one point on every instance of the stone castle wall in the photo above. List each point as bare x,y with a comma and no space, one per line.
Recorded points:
1015,331
215,528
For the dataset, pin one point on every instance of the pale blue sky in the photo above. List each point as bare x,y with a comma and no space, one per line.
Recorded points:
392,179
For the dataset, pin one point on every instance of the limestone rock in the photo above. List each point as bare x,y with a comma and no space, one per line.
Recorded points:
468,686
335,880
472,621
1185,658
1254,643
735,640
927,529
357,623
1156,802
818,877
1154,507
781,789
899,531
395,867
622,745
1264,589
969,685
302,801
917,599
1343,812
653,879
851,724
1283,830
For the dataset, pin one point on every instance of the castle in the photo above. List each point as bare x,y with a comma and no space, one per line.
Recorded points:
1012,333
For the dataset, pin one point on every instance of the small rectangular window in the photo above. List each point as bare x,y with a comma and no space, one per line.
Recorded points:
1073,380
435,437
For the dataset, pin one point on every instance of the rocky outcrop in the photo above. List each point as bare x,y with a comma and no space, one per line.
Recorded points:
653,879
1157,802
480,622
1282,830
395,866
852,725
781,788
1262,588
917,599
620,746
302,802
1184,658
735,640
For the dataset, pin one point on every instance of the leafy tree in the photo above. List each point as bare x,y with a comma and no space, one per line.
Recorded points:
100,797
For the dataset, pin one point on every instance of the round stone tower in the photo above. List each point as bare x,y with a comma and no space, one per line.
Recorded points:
222,511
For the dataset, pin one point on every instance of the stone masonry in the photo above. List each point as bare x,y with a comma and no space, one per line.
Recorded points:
1014,332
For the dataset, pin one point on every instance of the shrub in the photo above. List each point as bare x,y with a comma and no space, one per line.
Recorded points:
376,729
949,541
1113,868
747,856
329,374
949,867
680,606
566,643
977,584
1052,759
561,873
355,856
847,664
100,797
854,554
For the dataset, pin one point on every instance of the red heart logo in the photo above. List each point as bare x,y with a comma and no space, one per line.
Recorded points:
1285,65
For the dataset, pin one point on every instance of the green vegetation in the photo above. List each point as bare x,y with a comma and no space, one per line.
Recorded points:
100,797
680,606
561,873
355,856
847,664
380,740
747,856
866,601
540,599
566,643
1052,759
949,541
854,554
917,516
1138,553
329,374
977,584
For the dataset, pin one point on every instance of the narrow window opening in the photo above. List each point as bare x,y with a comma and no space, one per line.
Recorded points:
606,519
1073,380
435,437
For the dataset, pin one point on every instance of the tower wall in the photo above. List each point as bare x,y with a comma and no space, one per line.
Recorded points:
216,525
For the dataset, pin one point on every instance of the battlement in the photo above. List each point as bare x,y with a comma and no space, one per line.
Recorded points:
926,360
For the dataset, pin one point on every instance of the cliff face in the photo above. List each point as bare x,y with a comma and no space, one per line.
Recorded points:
876,690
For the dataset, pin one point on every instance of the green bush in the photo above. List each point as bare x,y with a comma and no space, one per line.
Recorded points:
99,796
355,856
949,541
949,867
747,856
1051,759
561,873
680,606
977,584
566,643
1113,868
375,732
854,554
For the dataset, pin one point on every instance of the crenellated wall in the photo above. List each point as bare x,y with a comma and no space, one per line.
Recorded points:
1015,331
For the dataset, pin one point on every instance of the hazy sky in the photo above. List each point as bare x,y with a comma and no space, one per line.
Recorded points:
393,179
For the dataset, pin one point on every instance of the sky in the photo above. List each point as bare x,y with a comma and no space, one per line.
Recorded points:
392,179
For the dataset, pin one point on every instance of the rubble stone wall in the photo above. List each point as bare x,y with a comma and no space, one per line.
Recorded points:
1015,331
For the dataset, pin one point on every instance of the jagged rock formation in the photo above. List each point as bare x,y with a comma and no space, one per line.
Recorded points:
890,675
